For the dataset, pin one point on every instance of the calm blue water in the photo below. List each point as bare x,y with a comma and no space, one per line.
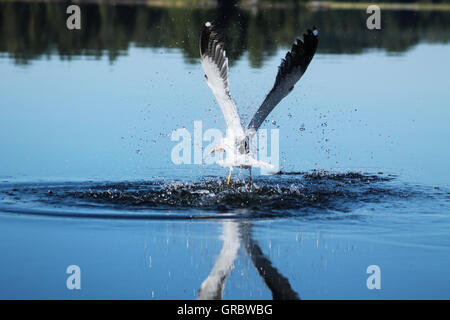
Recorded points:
87,178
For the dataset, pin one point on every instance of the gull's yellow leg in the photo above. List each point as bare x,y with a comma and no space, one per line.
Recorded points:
229,176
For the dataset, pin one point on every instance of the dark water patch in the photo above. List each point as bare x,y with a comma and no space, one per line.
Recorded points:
311,195
348,176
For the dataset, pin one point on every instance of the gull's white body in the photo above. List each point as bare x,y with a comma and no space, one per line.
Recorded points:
234,158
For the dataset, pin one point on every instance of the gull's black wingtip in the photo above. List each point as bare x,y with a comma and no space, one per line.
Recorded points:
207,35
301,54
309,43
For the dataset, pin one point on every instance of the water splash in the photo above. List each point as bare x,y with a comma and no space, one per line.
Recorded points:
304,194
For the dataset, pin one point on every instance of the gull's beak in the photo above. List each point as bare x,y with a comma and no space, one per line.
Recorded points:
216,149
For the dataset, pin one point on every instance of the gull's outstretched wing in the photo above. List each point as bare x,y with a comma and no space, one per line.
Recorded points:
292,67
215,65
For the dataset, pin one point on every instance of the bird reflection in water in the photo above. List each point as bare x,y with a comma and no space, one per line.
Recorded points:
236,235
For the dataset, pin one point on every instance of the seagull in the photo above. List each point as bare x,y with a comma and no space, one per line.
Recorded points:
236,143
